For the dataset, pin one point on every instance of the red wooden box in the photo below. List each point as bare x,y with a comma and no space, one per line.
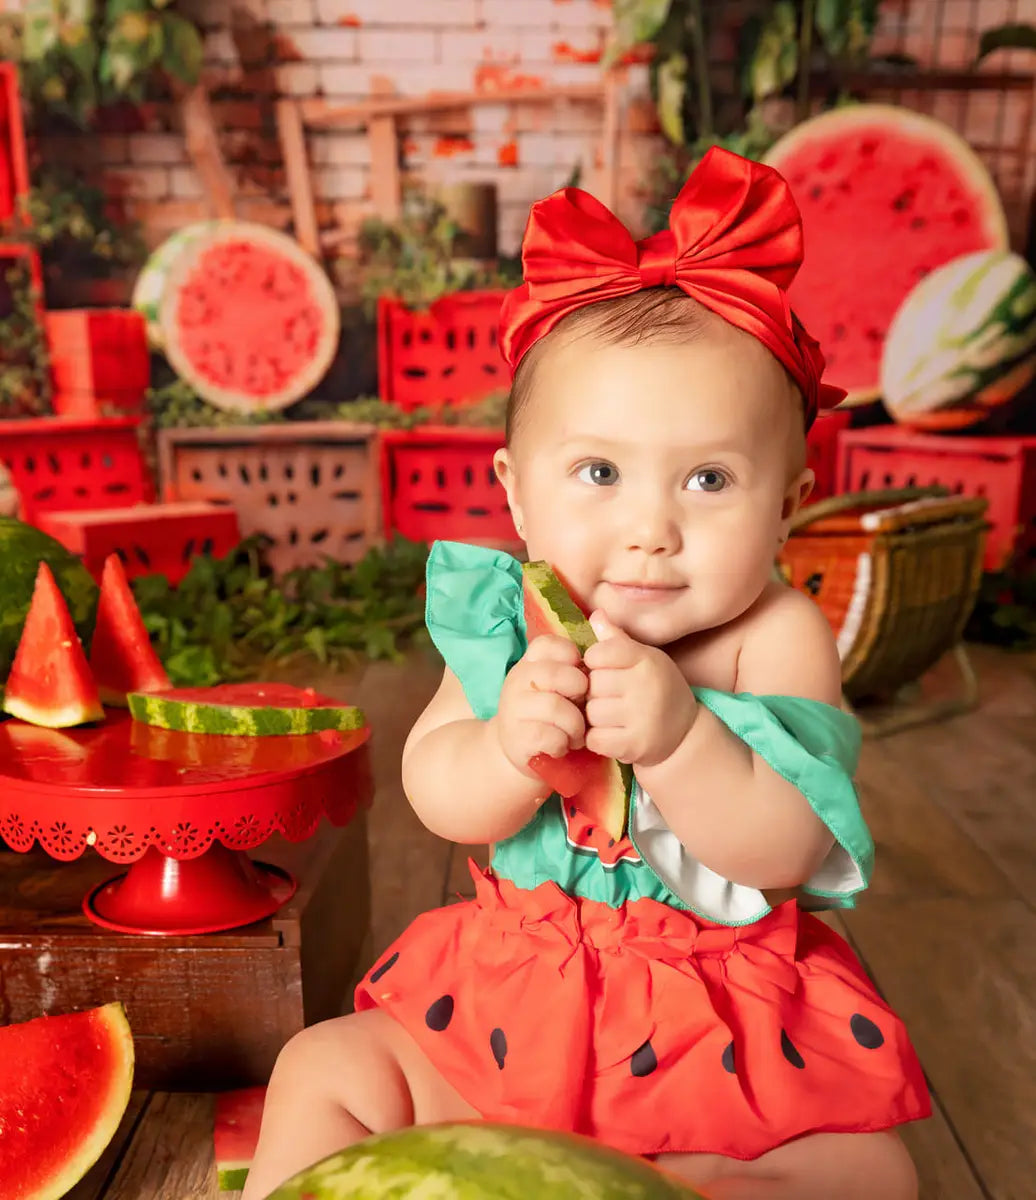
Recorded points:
14,162
99,361
151,539
1002,469
442,356
822,450
438,482
59,464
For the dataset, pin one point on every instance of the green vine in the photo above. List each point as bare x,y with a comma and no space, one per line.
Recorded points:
176,405
25,387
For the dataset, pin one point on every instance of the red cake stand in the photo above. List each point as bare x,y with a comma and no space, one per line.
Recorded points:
180,809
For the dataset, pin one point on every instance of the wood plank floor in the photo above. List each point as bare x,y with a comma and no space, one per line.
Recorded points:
948,930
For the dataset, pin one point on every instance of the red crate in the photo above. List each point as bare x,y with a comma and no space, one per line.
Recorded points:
14,162
438,482
151,539
442,356
99,360
61,463
1002,469
822,450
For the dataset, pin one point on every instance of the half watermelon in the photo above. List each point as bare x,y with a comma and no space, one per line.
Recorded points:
50,681
886,195
65,1083
598,787
121,655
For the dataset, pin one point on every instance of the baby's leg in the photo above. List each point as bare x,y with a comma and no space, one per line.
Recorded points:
849,1166
339,1081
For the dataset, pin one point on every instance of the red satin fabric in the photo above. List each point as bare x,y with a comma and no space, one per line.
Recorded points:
734,244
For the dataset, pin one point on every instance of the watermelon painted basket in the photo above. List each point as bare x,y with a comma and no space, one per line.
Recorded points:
896,573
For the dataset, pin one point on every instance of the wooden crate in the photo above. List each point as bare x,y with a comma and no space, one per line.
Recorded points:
311,487
207,1012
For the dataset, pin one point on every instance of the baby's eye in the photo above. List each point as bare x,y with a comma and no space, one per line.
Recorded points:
603,474
708,480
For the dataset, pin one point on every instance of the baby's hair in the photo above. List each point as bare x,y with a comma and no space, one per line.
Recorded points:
655,316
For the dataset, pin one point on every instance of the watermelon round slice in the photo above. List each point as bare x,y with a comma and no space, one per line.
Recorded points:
598,787
886,195
245,709
50,681
236,1135
65,1082
243,314
121,655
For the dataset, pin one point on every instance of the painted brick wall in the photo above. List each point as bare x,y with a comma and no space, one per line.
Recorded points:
257,50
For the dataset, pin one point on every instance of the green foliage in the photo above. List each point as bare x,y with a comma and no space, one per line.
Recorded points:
1005,611
175,404
415,259
77,55
25,387
370,410
231,619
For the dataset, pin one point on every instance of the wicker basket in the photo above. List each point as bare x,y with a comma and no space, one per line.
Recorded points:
895,573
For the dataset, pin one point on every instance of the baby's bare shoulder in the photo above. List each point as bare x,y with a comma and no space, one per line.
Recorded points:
787,648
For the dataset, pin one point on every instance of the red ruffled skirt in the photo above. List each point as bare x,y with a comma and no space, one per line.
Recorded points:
647,1027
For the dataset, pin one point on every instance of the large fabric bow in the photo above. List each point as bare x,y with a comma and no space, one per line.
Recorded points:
734,243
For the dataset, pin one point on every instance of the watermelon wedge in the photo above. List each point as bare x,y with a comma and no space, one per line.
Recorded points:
64,1085
121,655
236,1134
886,195
599,787
50,681
245,709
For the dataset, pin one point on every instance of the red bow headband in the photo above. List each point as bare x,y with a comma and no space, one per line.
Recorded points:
734,243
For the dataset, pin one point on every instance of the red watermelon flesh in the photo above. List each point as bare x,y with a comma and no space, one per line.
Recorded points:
121,655
236,1134
50,681
886,196
65,1083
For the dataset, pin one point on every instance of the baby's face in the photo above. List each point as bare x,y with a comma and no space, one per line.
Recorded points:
658,479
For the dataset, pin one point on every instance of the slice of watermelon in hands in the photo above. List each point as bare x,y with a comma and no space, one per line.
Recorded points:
599,787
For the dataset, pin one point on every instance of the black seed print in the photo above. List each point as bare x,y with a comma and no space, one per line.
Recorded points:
387,965
571,810
866,1032
440,1014
728,1059
643,1061
498,1044
790,1053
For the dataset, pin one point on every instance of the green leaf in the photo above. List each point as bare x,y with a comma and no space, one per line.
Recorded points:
316,643
846,27
118,68
635,21
1016,37
776,57
40,37
671,82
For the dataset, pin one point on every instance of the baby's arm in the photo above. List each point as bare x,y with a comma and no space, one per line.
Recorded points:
727,806
467,779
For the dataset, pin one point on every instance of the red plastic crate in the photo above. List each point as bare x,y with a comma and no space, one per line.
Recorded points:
439,482
59,464
1002,469
442,356
822,450
99,360
14,162
151,539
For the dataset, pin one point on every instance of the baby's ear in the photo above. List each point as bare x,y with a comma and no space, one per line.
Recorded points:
796,494
503,465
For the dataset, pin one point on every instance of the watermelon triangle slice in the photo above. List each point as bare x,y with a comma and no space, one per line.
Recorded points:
236,1134
50,681
65,1083
599,787
121,655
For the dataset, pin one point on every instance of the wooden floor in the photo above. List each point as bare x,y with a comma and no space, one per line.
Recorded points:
948,931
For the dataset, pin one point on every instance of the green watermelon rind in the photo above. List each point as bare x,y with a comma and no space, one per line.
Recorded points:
480,1160
556,606
241,720
153,279
232,1176
933,365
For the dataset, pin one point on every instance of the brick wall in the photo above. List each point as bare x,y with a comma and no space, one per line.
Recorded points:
257,50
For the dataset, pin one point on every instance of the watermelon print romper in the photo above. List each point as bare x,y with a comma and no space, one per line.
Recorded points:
624,990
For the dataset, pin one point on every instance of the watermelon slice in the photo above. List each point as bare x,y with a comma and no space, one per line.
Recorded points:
901,192
64,1085
242,312
121,655
50,681
598,787
236,1134
245,709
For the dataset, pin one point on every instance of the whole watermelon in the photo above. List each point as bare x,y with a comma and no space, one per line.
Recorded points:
481,1161
22,549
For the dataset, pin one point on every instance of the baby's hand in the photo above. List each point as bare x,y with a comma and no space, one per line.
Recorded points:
539,709
640,707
